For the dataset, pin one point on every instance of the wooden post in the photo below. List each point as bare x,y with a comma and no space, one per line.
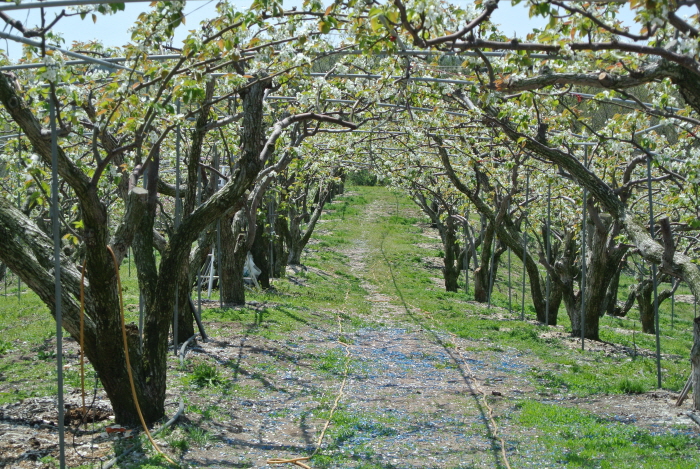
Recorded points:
695,363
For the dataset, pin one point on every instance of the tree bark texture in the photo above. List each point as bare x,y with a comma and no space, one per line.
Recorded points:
695,362
452,259
259,250
233,247
298,237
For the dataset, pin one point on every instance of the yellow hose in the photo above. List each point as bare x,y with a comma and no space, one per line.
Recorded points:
128,363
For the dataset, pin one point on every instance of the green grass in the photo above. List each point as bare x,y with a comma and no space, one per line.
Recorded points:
576,438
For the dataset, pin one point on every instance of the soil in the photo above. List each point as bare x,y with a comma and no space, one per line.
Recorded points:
415,396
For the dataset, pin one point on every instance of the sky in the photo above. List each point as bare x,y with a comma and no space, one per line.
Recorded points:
112,30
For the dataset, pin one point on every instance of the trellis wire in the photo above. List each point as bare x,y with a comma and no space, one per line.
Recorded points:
527,196
110,60
61,3
57,282
93,60
653,278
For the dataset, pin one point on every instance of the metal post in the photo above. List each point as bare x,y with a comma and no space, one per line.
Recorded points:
271,220
653,278
583,260
548,240
510,289
492,267
199,294
211,273
673,305
19,207
527,196
218,231
199,270
57,280
583,272
176,309
466,258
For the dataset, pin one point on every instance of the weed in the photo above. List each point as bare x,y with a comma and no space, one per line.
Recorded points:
49,461
198,436
629,386
205,375
332,361
179,443
46,355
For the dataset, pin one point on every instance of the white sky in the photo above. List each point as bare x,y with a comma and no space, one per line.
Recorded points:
112,29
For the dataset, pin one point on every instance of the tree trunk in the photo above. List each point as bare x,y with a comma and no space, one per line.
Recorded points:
451,262
281,252
610,306
482,273
555,299
646,306
298,238
232,284
185,318
259,250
